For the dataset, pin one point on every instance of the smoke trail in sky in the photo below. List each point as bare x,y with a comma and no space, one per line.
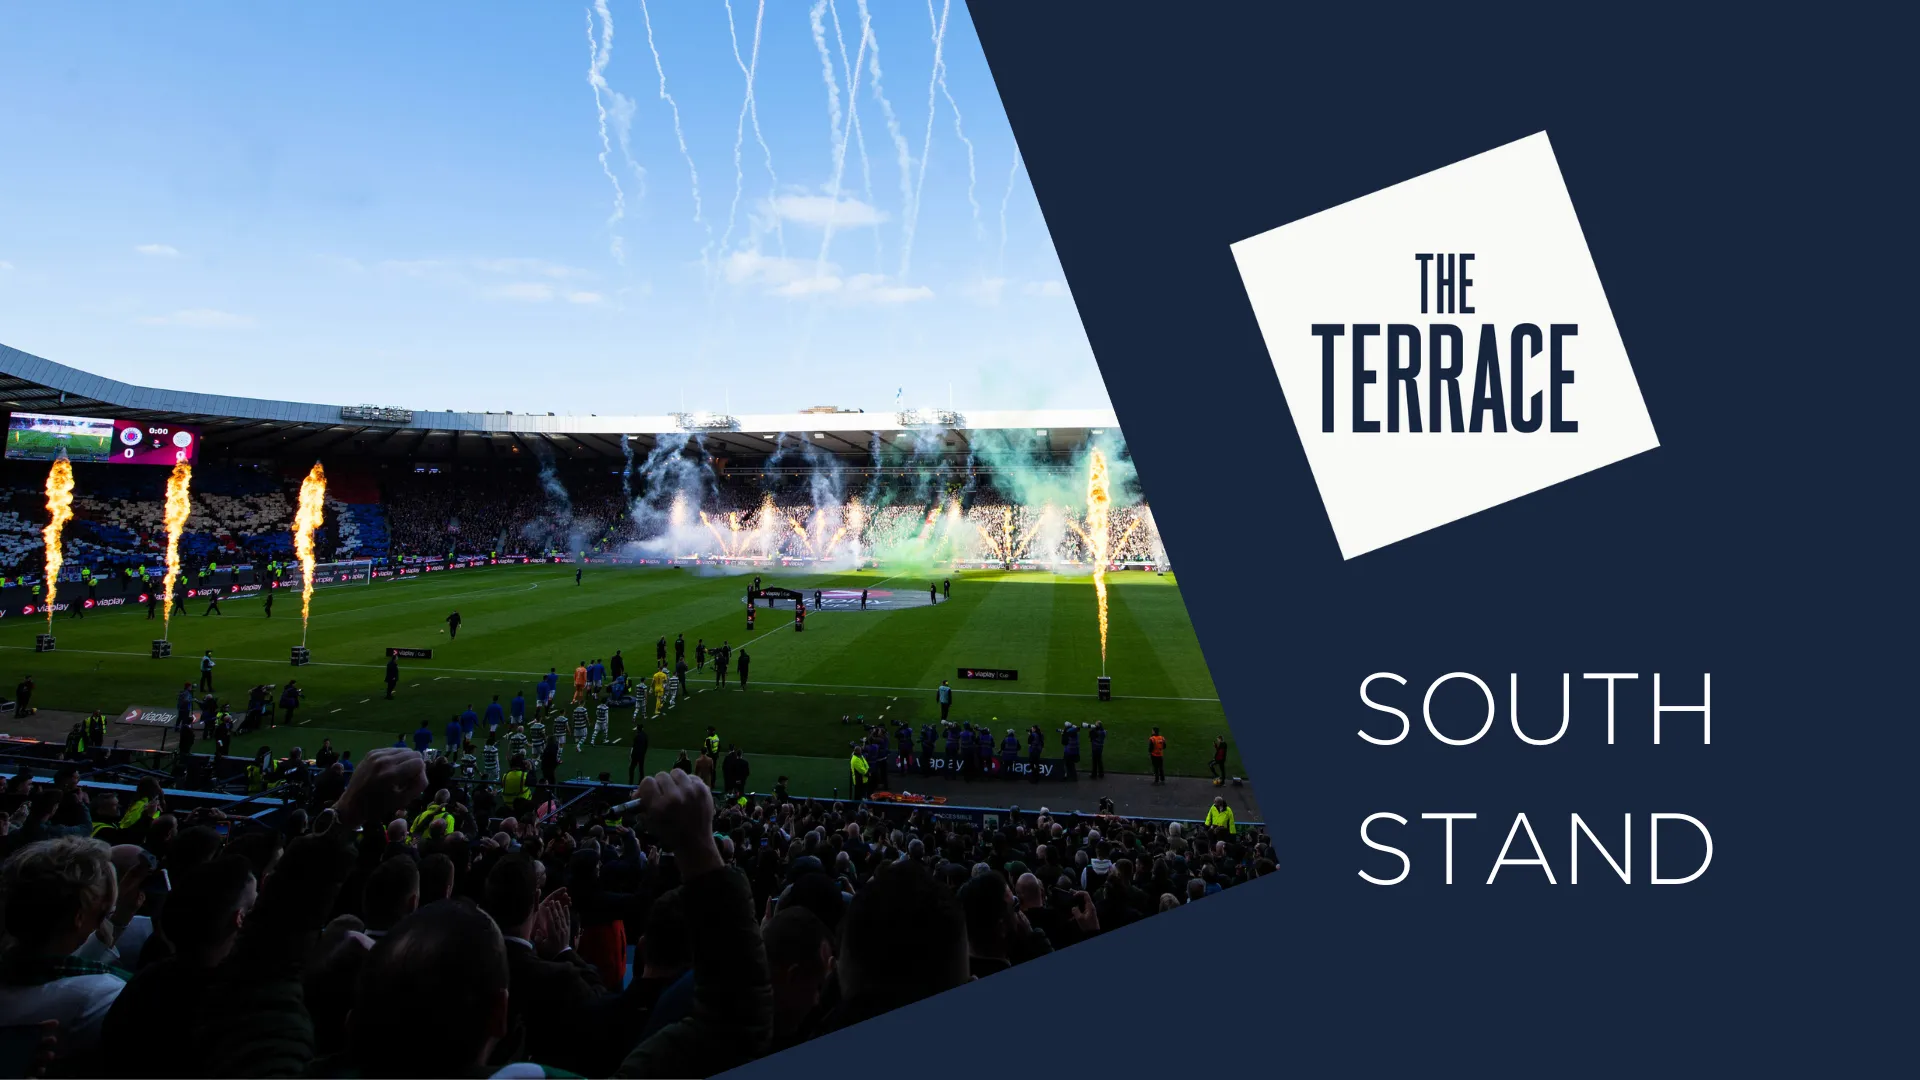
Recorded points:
693,172
933,79
750,108
598,53
940,72
840,146
1012,175
739,131
870,44
853,117
814,19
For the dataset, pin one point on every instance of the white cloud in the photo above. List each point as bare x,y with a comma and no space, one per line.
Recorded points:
750,267
532,267
821,210
200,318
535,292
808,286
5,266
584,298
877,289
985,291
1052,289
418,268
163,251
792,277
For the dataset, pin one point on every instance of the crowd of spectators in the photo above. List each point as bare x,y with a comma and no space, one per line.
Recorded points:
238,515
387,927
245,514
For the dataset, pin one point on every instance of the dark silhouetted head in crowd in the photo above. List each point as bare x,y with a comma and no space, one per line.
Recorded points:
392,893
432,999
904,938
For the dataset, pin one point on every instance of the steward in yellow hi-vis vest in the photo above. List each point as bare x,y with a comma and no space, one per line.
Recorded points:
1221,814
857,769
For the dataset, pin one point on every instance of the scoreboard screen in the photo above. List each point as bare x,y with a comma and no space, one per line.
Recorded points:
42,437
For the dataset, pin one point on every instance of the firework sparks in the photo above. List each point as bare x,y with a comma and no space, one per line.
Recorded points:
179,509
1099,501
59,512
725,547
313,504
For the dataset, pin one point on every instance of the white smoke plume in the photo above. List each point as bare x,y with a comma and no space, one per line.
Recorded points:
677,483
626,471
926,146
557,528
750,109
940,72
815,18
840,142
693,171
910,210
1013,174
598,53
852,67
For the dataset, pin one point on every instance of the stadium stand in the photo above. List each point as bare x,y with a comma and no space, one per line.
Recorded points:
293,915
322,924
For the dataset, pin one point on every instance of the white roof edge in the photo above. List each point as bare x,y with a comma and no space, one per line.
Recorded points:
126,395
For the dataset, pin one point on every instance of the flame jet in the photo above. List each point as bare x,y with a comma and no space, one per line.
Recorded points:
179,509
1099,503
59,512
313,504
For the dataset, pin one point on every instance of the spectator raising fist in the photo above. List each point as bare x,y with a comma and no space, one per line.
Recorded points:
679,810
382,785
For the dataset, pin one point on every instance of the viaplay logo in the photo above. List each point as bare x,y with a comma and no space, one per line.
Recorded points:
1445,345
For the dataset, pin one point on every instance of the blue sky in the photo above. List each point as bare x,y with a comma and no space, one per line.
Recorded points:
407,205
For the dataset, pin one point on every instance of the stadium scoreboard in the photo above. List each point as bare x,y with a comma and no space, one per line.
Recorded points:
382,413
43,436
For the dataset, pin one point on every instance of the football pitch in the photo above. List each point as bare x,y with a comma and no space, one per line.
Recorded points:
882,663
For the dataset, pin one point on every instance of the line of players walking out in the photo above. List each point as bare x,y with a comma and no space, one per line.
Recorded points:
535,745
972,752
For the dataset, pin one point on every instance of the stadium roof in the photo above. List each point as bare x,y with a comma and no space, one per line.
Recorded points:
235,426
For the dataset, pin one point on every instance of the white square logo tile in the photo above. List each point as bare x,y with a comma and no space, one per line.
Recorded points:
1444,345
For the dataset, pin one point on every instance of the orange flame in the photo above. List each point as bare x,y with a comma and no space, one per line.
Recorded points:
59,512
313,504
1099,502
179,509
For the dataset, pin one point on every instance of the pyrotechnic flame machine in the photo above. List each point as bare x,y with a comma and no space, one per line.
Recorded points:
179,509
313,505
59,512
1099,501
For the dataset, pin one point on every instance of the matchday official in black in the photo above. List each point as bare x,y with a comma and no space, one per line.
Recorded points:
637,753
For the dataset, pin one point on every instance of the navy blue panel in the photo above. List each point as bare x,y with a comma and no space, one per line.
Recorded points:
1736,179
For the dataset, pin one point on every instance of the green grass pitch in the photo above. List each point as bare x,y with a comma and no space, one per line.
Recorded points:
519,621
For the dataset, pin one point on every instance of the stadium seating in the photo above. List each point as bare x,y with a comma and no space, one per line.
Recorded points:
245,512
